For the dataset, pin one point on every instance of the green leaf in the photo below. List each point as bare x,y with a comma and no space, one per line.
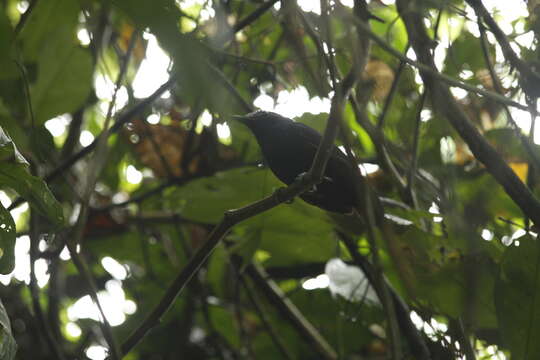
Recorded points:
465,54
292,234
517,298
34,190
225,324
208,198
14,174
64,70
64,80
7,241
51,21
304,225
8,346
8,150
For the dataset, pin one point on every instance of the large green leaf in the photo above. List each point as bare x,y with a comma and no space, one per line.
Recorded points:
292,234
64,70
517,299
64,80
49,22
208,198
303,225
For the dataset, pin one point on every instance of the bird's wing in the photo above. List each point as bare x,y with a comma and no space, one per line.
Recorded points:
312,139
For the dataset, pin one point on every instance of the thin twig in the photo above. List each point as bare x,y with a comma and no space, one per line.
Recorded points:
26,86
464,341
157,149
230,87
379,141
253,16
245,340
100,157
414,163
368,203
24,18
43,325
329,57
392,92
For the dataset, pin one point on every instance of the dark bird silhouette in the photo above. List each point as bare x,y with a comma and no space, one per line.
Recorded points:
289,148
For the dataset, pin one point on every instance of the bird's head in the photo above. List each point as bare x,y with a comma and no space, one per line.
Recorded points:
261,120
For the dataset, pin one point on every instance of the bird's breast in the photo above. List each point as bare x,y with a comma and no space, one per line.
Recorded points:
287,159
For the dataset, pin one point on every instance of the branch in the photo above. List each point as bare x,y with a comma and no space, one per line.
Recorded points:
24,18
230,87
392,92
411,194
253,16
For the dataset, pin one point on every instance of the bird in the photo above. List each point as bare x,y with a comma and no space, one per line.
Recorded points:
289,147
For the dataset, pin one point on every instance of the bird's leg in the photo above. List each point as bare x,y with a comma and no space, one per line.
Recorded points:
302,177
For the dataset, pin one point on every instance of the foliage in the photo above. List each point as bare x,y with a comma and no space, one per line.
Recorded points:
145,181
